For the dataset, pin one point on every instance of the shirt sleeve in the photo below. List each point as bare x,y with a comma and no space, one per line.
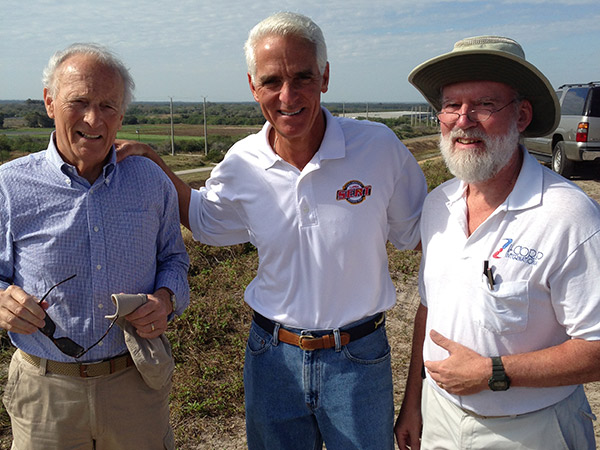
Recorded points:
575,293
6,255
404,211
214,214
172,258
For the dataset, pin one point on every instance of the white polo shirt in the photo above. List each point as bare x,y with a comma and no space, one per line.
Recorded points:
543,245
321,232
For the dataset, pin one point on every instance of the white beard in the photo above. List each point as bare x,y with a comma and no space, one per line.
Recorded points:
475,167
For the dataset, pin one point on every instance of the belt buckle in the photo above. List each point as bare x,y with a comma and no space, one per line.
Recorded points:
83,369
305,337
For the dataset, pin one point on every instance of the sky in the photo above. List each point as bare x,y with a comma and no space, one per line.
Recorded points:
188,50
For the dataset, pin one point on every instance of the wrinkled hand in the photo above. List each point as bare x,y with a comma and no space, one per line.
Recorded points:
20,312
150,319
464,372
409,425
127,148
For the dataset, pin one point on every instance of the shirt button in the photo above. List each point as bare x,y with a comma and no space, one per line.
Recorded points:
100,344
98,267
96,229
100,306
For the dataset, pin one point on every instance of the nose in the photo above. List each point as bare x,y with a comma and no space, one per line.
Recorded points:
288,93
463,120
93,115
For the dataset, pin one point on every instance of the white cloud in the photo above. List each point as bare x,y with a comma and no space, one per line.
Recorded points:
191,48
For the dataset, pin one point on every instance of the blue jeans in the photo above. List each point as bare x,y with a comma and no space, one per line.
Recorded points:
299,399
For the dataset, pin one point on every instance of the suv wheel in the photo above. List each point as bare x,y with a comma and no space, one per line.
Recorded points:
560,163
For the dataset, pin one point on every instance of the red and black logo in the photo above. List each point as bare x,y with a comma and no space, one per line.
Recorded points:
354,192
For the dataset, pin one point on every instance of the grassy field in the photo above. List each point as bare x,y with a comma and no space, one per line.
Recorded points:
150,133
209,338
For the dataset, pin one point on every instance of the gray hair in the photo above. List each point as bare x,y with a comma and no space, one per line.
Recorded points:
105,56
286,24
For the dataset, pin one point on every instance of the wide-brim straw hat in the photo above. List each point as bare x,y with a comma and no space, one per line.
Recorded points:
491,58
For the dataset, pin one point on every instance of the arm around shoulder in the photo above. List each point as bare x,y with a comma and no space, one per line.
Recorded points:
131,148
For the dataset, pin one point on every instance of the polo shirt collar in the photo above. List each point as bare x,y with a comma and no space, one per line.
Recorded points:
528,189
333,145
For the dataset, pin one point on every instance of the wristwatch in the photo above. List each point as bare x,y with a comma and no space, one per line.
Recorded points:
173,301
499,381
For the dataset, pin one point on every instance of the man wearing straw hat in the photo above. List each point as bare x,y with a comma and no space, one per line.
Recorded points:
509,324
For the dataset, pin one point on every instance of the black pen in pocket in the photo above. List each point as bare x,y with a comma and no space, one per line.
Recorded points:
487,271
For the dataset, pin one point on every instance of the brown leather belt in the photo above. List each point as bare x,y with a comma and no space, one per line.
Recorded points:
88,370
309,342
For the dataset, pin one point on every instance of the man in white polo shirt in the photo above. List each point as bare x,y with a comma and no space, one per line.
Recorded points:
509,324
319,196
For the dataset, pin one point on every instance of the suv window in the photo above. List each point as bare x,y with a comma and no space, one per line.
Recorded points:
574,101
594,102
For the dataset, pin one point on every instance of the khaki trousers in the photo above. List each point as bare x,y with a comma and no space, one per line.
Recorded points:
567,425
117,411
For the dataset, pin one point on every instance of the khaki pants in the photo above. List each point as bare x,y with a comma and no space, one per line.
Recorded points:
567,425
117,411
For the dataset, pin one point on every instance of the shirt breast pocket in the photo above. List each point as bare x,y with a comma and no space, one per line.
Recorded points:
505,309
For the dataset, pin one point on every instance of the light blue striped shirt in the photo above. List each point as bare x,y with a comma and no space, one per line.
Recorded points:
119,235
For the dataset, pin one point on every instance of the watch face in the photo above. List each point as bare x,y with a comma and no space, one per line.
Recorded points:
498,385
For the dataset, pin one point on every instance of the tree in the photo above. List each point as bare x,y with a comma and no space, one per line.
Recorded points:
36,120
4,148
130,119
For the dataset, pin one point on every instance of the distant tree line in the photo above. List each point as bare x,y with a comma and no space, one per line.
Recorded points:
34,115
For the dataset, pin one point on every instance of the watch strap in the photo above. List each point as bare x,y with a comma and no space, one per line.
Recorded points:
499,381
497,366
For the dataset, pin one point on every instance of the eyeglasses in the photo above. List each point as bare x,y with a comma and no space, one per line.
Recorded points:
474,115
66,345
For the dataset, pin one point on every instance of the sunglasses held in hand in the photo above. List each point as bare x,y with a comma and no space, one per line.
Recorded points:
65,344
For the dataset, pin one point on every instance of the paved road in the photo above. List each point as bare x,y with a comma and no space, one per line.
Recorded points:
199,169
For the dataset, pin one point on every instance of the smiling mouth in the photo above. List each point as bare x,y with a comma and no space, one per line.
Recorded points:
293,113
466,141
89,136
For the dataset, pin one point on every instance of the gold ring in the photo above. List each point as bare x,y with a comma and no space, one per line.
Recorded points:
152,326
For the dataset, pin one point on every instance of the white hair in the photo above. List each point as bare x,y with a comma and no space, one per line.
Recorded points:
286,24
105,56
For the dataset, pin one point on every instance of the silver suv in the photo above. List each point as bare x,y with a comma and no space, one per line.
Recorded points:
577,137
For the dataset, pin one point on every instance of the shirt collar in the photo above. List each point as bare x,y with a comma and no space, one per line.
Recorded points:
528,189
56,160
333,145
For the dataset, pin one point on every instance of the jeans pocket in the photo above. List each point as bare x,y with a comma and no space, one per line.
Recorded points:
258,340
371,349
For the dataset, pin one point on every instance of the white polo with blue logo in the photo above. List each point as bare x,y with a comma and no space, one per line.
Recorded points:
543,247
321,233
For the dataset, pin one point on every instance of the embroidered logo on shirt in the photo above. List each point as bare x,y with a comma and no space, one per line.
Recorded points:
518,252
354,192
497,254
